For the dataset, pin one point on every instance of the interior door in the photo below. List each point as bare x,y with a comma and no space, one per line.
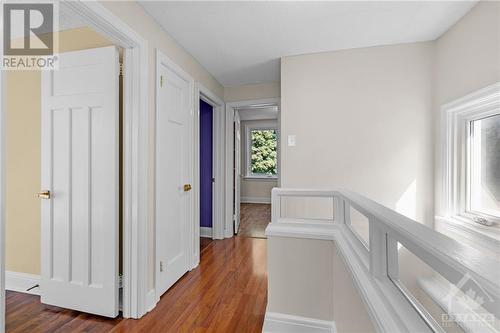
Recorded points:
80,185
237,171
173,175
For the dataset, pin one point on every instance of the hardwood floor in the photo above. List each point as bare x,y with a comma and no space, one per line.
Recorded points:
204,243
227,292
254,219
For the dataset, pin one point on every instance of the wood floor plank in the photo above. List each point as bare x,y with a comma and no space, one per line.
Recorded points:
254,219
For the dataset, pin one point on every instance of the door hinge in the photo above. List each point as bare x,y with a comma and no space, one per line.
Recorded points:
161,266
122,68
161,80
120,281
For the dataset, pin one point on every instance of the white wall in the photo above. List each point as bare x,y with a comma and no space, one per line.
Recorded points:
363,121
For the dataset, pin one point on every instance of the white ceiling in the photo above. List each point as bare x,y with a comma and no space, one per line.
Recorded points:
241,42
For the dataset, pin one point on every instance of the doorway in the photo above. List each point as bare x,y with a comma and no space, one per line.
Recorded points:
63,184
174,173
254,168
178,172
206,173
134,199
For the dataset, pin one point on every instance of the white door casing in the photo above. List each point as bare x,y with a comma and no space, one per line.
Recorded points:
80,168
231,107
174,171
237,171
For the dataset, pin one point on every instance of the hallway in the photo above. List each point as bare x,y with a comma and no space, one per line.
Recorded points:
254,220
227,292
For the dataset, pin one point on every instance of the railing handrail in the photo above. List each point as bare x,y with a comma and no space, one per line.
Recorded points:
448,257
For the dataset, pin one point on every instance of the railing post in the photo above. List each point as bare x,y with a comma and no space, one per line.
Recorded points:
275,205
338,210
392,258
378,249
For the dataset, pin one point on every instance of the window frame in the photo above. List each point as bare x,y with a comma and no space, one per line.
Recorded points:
260,126
468,211
455,155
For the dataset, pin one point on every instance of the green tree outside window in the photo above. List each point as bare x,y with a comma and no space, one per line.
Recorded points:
263,152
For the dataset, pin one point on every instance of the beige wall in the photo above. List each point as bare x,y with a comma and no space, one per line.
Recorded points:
467,59
259,189
23,148
468,54
251,91
307,277
363,121
135,16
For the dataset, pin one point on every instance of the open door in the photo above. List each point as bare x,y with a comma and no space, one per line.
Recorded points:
237,171
80,182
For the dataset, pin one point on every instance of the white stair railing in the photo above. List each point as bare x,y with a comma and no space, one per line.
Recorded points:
387,228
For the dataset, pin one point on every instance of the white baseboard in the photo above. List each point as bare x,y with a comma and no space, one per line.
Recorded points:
264,200
151,300
21,282
280,322
206,232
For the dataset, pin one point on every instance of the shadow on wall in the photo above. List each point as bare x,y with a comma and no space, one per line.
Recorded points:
407,203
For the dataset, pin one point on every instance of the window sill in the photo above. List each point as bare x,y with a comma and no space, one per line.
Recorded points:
470,232
469,226
439,290
270,179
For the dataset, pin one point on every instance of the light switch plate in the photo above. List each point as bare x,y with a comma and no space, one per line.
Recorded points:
292,141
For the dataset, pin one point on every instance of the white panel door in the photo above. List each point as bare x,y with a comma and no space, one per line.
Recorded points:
80,168
237,171
174,165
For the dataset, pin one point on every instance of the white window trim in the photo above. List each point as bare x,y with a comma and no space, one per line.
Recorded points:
260,125
455,119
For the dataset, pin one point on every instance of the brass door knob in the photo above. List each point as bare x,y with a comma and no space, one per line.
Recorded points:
187,187
44,194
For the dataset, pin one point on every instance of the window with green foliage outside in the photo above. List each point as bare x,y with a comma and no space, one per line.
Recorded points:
263,154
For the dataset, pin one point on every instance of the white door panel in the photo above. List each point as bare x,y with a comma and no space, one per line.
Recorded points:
173,171
80,167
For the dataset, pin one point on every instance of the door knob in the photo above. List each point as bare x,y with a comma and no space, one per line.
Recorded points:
187,187
44,194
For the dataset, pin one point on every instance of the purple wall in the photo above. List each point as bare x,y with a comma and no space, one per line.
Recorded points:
206,154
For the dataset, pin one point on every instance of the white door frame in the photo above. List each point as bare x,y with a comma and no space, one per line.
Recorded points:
230,109
163,60
135,156
203,93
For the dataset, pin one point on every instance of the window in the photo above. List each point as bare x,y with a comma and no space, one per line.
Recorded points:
471,158
261,157
483,190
